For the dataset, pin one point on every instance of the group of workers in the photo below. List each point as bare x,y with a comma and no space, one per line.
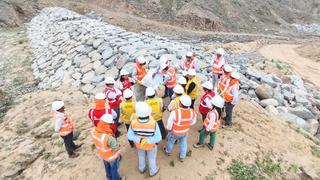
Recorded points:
143,118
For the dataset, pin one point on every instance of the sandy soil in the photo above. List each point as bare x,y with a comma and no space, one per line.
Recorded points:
307,68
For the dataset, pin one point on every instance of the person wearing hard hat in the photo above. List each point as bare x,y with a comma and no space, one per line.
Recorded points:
125,80
224,79
94,114
113,96
145,133
108,147
64,125
164,60
179,123
205,102
156,105
231,97
140,71
211,123
192,87
183,82
217,65
169,79
190,61
175,103
127,109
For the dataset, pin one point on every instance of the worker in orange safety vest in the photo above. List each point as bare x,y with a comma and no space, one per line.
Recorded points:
169,79
224,79
231,97
217,66
140,71
190,62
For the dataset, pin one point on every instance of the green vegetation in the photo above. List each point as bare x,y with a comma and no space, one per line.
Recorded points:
46,155
22,128
315,151
211,176
172,163
189,153
18,81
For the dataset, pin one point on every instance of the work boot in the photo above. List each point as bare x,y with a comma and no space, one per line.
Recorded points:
198,145
77,147
156,172
165,151
123,178
181,160
74,155
210,146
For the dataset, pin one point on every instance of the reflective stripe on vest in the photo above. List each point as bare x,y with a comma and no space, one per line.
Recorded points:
156,105
127,109
182,122
188,66
206,121
195,92
143,130
141,72
223,83
217,70
207,95
67,125
172,81
101,142
228,96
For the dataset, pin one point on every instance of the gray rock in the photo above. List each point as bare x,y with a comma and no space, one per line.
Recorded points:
301,112
113,72
84,62
251,72
110,61
302,100
96,57
100,70
87,78
271,109
98,79
297,81
318,136
313,126
76,75
122,60
269,102
297,121
97,42
287,79
88,88
87,68
129,67
264,91
277,95
288,95
268,80
282,109
107,53
96,64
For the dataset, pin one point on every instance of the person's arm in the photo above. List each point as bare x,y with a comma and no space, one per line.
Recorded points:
114,114
132,137
221,63
194,120
156,137
212,122
235,93
208,102
113,143
166,78
171,106
58,124
171,120
134,74
191,87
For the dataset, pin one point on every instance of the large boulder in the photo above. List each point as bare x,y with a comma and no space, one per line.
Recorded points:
301,112
269,102
264,91
268,80
313,126
272,110
295,120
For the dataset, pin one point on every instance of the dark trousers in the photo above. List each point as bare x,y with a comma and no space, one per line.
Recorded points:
68,143
130,142
117,110
168,92
192,103
229,109
111,168
162,129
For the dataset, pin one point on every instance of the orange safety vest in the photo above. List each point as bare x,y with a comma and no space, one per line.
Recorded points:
144,130
217,70
228,96
223,82
101,142
188,65
182,122
141,71
67,125
172,81
216,125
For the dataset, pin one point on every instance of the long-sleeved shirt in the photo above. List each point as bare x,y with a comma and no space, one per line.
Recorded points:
212,121
172,118
113,143
207,100
191,87
153,139
58,122
235,93
221,63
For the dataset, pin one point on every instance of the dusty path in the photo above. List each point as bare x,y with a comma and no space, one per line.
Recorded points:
307,68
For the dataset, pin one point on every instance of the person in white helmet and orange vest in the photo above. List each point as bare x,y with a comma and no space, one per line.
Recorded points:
125,80
224,79
108,147
64,125
217,65
175,102
127,109
205,101
169,79
156,105
113,95
192,87
231,97
139,72
190,62
179,124
145,133
211,123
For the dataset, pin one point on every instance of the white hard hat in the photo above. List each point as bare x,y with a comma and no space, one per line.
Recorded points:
109,80
217,101
107,118
189,54
227,68
207,85
112,95
191,72
150,91
163,66
123,72
100,96
220,51
235,75
182,80
127,93
143,109
56,105
141,60
178,89
163,59
185,100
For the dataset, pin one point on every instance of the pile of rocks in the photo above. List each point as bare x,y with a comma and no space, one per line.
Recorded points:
307,28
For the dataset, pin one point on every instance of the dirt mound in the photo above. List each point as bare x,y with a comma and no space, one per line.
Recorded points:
310,50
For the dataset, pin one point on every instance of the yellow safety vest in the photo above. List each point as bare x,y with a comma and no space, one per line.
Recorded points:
127,108
195,92
156,105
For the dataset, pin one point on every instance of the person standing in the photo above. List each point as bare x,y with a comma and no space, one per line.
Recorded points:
190,61
175,103
108,147
217,66
211,123
125,80
182,81
156,105
140,71
231,97
179,123
169,79
64,125
205,102
192,87
127,109
145,133
224,79
113,95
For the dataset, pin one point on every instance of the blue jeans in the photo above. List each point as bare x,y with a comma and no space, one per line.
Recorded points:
112,169
168,92
183,144
152,157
